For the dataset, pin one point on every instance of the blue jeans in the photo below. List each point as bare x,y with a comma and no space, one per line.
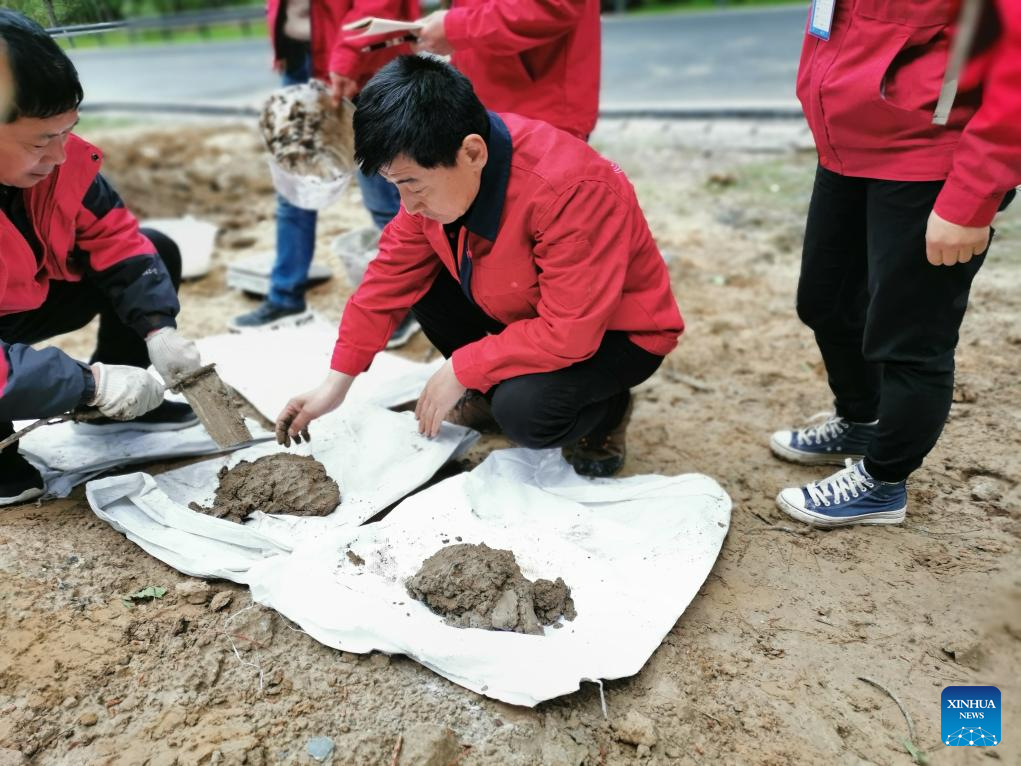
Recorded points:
296,227
296,235
380,198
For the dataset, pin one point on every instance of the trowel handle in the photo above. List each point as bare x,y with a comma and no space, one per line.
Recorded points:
16,436
77,415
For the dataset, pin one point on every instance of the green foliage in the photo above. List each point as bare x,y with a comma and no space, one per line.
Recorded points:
63,12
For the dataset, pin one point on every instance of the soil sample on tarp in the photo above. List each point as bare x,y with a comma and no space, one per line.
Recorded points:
280,483
475,586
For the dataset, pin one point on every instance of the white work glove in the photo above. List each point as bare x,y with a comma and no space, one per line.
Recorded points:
123,392
172,354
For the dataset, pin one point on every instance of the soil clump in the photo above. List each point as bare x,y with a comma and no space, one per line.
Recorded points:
475,586
293,484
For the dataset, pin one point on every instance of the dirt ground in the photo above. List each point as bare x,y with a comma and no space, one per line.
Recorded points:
764,667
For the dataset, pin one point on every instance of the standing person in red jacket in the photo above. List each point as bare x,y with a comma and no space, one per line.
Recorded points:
526,259
308,43
536,58
69,251
898,227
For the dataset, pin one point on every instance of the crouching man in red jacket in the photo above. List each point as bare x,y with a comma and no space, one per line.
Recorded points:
69,251
526,259
898,227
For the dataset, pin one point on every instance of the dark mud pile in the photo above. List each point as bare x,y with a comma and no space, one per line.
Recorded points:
475,586
281,483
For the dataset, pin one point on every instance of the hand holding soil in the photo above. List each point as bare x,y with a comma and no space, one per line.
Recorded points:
293,420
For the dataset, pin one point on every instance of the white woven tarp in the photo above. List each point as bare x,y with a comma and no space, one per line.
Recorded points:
634,551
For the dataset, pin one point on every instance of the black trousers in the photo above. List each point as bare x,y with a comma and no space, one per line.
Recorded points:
546,409
885,319
70,306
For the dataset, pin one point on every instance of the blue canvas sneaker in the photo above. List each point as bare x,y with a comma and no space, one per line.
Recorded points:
828,439
850,496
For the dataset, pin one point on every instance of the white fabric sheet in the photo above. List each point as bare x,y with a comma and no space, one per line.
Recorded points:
376,457
634,551
268,367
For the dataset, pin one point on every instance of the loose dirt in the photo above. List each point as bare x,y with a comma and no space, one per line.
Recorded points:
762,668
475,586
296,485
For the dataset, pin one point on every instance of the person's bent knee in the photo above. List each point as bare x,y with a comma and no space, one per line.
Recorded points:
530,416
168,252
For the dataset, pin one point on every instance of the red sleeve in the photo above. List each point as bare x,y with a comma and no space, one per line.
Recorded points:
506,27
107,230
396,278
987,161
574,308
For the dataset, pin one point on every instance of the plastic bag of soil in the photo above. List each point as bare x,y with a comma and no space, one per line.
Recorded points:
311,144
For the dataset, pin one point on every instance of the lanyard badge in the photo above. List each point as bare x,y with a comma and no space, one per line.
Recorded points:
821,18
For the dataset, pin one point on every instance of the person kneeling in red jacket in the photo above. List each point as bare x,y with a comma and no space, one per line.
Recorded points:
526,259
69,251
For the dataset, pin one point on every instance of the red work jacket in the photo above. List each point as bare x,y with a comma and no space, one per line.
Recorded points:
536,58
560,253
869,93
332,48
64,224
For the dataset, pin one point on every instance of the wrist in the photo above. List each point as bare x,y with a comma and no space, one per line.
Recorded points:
90,387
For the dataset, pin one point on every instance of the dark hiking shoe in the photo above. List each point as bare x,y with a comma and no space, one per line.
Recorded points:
473,411
601,454
169,416
20,481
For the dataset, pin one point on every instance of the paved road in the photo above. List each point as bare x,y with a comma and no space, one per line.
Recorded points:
693,59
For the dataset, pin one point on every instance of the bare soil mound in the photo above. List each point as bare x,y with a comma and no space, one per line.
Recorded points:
475,586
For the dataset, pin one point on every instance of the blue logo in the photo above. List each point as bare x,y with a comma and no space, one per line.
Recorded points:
971,716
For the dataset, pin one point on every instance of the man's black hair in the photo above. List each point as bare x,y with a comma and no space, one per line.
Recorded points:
417,106
45,81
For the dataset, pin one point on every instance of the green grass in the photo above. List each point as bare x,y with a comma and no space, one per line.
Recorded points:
684,6
120,38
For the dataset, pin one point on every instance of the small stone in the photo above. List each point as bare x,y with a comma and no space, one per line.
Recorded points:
195,592
320,748
69,702
88,719
644,751
429,745
379,660
986,490
636,729
221,600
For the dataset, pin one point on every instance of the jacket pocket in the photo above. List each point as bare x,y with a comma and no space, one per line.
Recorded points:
914,13
859,114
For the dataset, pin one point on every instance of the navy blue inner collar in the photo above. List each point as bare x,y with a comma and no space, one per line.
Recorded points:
483,218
